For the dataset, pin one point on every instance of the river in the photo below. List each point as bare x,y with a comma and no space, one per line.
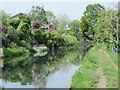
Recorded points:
48,69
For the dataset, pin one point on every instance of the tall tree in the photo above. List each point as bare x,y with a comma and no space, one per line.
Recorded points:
37,13
50,16
106,27
90,15
74,27
84,25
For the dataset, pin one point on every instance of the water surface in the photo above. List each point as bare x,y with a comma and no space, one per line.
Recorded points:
48,69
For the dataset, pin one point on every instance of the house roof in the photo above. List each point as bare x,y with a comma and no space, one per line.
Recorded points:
17,15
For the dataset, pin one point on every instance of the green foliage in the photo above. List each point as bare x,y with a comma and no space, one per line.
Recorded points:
50,17
25,44
25,19
3,17
84,24
74,27
69,40
38,35
13,22
55,39
106,27
24,27
13,39
37,13
52,39
14,51
12,36
86,76
90,17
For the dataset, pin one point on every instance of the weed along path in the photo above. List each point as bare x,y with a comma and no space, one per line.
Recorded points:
99,69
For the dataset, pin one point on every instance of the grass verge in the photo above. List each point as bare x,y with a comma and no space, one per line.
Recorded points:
87,76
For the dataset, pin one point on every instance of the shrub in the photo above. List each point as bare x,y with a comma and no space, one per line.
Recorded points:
25,31
11,36
24,27
13,22
25,19
69,40
53,39
38,35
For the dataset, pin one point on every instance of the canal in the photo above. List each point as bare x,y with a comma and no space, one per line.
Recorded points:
47,69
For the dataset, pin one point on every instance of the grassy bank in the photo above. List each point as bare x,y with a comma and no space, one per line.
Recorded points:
87,76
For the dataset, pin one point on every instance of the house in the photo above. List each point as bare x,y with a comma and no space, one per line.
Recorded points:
17,16
35,24
49,27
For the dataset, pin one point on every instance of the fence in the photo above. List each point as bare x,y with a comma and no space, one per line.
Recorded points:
115,50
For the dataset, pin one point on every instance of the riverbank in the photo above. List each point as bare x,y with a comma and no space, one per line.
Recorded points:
99,70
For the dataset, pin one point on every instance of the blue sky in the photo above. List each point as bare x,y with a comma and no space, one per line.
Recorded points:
73,9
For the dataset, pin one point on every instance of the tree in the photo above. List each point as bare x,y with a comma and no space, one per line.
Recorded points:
74,27
3,17
37,13
90,17
50,17
84,25
106,27
62,21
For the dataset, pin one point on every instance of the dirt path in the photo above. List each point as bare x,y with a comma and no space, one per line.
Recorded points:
102,81
100,50
113,64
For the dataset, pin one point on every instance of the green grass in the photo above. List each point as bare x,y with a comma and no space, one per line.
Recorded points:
87,77
110,68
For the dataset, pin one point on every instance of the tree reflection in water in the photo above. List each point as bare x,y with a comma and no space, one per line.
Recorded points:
34,69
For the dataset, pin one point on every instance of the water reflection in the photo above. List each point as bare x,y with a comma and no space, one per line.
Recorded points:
52,69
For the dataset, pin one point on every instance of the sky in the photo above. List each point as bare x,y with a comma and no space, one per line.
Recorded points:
74,10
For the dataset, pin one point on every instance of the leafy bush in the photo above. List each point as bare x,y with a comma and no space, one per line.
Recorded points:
13,22
69,40
25,19
14,51
25,31
11,36
38,35
24,27
52,39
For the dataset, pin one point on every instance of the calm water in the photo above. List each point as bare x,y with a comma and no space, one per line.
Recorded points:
48,69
